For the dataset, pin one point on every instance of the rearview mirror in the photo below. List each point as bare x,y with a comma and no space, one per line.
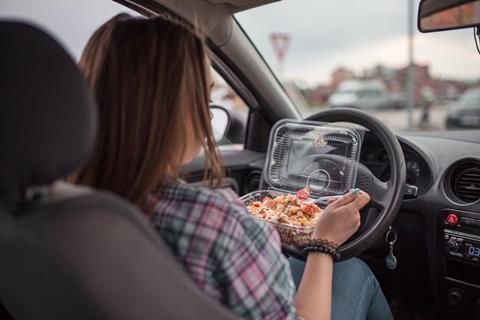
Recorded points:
220,121
438,15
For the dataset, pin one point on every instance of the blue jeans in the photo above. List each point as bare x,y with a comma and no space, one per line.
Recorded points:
356,293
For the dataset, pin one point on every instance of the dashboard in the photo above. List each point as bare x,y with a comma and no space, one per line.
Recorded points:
438,231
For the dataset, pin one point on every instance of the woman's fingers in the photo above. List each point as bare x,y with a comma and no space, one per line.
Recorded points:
332,200
360,201
345,199
341,218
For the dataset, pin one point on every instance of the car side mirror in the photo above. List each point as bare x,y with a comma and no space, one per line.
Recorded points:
438,15
220,118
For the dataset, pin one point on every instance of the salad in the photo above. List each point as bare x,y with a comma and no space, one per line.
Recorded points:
287,209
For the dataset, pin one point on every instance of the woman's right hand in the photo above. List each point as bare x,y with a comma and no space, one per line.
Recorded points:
341,218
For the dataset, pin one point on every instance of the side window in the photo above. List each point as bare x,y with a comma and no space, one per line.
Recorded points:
224,96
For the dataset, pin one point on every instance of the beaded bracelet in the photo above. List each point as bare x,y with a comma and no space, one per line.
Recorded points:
322,246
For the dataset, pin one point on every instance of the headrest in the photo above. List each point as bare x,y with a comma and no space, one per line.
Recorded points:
47,114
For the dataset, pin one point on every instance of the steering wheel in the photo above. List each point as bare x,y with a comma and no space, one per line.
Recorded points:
386,197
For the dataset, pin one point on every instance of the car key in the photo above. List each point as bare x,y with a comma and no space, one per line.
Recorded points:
391,260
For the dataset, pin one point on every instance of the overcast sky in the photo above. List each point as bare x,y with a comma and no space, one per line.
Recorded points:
357,34
325,34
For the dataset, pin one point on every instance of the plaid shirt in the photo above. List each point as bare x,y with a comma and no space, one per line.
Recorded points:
232,257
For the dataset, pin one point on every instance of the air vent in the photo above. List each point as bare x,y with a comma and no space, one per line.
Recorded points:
252,181
465,181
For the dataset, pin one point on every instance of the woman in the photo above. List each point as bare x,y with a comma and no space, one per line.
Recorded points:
151,79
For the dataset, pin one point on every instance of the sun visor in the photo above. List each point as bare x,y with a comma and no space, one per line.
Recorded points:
242,5
213,17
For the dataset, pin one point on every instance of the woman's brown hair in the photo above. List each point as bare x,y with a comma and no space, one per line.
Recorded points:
94,51
151,81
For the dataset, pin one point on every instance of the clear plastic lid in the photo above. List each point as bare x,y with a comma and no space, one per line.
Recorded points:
321,156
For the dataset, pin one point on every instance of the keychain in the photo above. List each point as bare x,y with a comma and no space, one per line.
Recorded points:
391,260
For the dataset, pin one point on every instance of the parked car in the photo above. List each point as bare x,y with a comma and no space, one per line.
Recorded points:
465,113
365,94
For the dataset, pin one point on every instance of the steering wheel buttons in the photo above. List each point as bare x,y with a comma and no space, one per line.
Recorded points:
452,219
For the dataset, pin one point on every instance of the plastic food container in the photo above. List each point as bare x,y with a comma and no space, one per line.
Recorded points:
289,234
321,156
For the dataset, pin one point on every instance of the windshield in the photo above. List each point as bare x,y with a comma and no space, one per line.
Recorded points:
356,54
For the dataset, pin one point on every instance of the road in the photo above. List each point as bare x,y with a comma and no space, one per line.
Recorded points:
397,119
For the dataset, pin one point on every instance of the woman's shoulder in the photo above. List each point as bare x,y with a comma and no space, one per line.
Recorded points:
199,194
212,208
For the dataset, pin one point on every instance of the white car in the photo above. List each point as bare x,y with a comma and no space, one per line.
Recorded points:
364,94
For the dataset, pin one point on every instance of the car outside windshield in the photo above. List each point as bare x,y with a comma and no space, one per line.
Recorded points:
471,98
344,53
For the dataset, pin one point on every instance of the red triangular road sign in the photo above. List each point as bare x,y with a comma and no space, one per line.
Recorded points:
280,43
